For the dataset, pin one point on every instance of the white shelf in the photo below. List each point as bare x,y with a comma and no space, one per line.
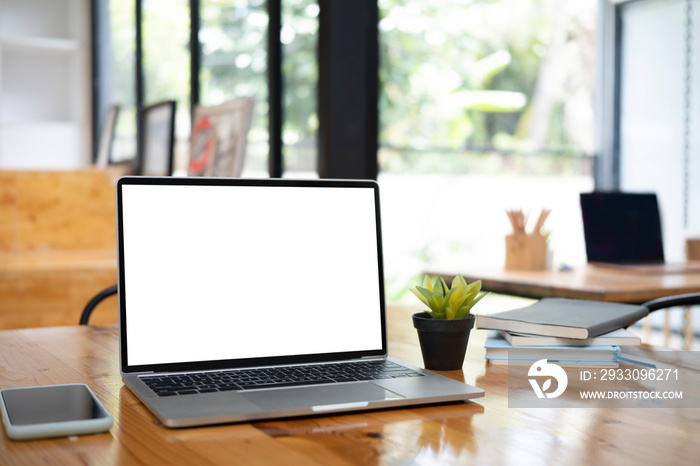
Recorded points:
38,124
40,146
44,84
39,44
55,19
40,86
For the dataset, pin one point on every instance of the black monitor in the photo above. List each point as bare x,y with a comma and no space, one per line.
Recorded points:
622,228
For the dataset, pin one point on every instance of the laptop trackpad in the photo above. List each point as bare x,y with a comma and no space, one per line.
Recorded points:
319,397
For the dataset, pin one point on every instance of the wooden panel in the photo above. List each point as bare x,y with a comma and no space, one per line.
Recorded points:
57,246
44,289
9,240
65,210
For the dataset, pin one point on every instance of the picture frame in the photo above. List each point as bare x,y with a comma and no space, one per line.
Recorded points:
219,136
157,139
103,158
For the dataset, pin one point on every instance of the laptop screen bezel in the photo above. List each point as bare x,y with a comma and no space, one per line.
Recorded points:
246,362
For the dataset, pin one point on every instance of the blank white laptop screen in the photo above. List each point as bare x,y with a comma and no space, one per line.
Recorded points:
229,272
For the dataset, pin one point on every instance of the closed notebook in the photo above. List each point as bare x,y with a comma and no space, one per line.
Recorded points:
499,348
621,337
587,363
564,318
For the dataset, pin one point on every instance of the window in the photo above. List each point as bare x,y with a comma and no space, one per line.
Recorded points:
484,106
299,37
115,32
233,38
166,65
483,86
233,56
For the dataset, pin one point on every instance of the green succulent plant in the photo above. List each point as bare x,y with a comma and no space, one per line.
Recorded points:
450,303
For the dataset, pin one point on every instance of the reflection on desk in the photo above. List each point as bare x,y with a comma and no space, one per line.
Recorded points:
482,432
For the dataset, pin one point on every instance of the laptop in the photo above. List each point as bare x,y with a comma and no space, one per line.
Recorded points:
623,230
242,300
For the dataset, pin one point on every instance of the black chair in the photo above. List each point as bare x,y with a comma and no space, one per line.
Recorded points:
688,299
97,299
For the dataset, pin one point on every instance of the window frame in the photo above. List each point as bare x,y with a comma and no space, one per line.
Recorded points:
347,140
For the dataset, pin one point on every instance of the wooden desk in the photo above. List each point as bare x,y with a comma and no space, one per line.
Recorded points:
587,282
482,432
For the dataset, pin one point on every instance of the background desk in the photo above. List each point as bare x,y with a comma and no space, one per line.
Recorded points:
481,432
587,282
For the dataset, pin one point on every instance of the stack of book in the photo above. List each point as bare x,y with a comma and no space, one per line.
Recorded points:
569,332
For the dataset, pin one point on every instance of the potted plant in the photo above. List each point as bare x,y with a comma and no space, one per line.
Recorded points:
443,330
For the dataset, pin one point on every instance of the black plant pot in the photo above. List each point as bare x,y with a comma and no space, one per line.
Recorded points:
442,342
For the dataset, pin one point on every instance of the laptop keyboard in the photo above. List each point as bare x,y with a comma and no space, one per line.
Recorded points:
274,377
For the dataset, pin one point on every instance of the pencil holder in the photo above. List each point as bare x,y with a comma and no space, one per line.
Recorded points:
526,252
692,249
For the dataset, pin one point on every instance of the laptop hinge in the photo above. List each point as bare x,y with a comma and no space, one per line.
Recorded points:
373,357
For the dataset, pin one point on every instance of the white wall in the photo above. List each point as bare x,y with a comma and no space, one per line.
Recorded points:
652,100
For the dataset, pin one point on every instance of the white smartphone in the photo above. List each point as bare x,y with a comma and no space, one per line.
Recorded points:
52,411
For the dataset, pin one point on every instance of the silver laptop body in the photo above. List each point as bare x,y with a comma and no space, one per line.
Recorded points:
222,280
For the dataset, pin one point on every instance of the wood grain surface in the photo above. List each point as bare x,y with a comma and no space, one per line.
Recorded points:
485,431
56,210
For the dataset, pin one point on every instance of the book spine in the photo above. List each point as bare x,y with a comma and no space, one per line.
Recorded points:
620,322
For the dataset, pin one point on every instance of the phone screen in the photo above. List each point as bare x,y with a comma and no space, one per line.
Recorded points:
58,403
